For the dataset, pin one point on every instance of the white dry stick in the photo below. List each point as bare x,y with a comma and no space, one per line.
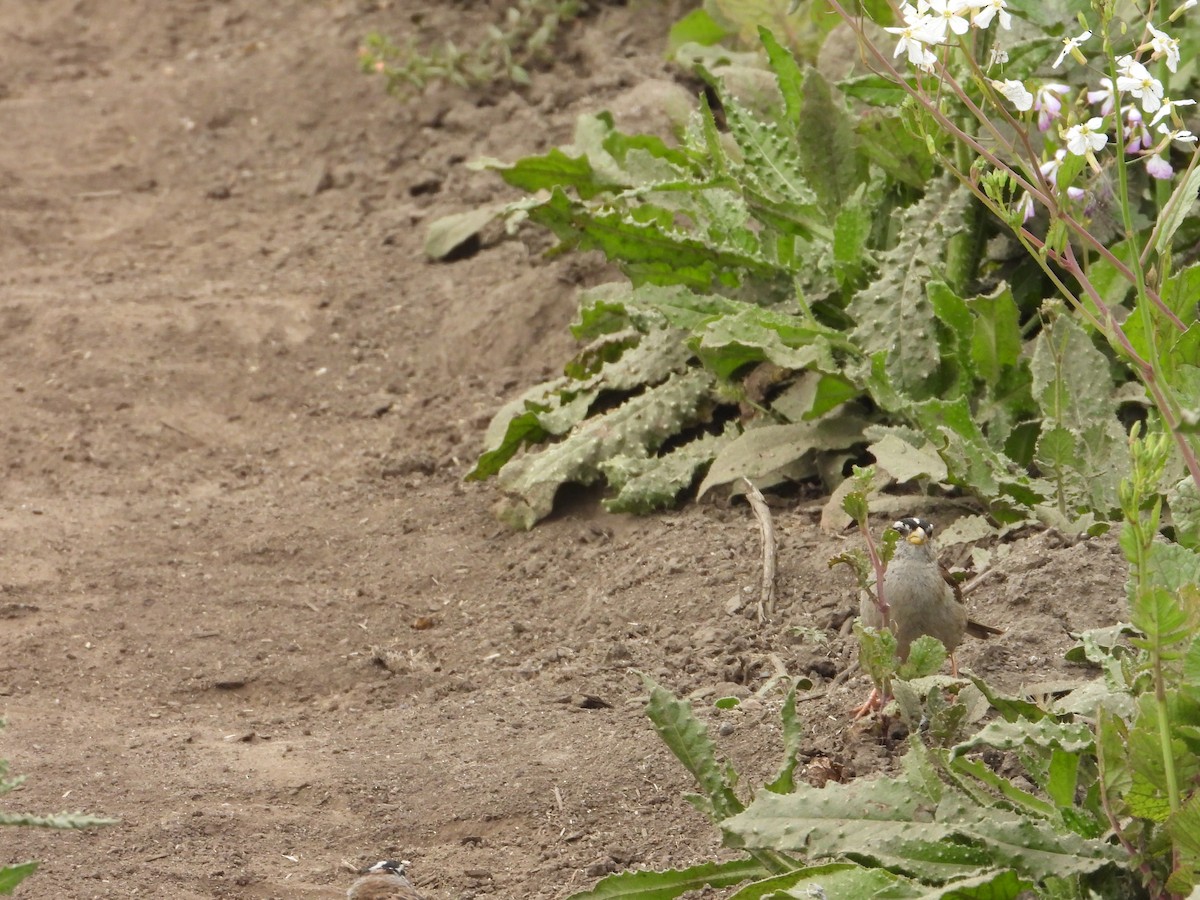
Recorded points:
766,596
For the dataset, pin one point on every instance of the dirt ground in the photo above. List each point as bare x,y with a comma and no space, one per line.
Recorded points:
247,603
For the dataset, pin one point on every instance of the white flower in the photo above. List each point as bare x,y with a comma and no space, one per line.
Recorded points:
1157,167
910,42
953,14
1168,109
1164,45
1016,93
1048,103
1071,46
1085,139
1050,167
1137,80
1106,96
1182,135
997,56
989,10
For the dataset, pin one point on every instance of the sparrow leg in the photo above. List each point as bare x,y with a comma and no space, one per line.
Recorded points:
874,702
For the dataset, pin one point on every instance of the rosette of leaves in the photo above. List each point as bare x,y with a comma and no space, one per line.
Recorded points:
797,296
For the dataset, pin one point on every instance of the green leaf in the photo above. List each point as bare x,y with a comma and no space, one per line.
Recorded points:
832,880
449,232
906,462
781,451
926,656
644,484
697,27
646,248
793,742
687,738
885,139
1046,733
893,313
873,820
672,882
635,428
877,90
771,178
996,337
730,342
827,144
555,170
787,73
1178,207
11,876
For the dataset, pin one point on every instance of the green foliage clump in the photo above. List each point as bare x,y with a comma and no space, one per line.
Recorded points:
13,875
524,36
828,296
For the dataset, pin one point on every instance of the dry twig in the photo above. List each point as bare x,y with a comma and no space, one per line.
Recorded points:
766,595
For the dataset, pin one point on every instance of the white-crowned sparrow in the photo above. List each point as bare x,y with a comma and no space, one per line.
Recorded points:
384,881
921,596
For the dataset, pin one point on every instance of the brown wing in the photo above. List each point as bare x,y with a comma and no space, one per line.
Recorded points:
974,629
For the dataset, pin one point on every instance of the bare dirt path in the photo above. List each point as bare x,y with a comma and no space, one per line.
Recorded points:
247,604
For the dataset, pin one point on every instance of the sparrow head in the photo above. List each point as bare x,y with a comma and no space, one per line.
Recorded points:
390,866
915,531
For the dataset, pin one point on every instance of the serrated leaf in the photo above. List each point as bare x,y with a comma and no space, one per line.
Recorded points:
787,73
687,738
926,656
752,334
644,484
873,819
646,249
1046,733
770,176
893,314
996,337
832,880
672,882
638,426
793,741
554,169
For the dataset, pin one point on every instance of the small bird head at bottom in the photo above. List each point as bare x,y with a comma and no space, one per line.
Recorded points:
390,866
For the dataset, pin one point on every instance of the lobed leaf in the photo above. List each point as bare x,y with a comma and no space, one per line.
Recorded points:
672,882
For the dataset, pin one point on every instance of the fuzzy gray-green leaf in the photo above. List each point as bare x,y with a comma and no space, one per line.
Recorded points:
672,882
687,738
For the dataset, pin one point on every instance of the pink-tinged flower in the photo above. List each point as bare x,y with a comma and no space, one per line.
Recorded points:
1085,139
1168,109
1106,97
1048,103
1162,45
1076,193
1016,93
1137,135
1136,79
989,10
1071,46
1025,207
1158,167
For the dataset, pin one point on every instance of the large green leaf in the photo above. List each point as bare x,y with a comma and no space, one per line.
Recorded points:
672,882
